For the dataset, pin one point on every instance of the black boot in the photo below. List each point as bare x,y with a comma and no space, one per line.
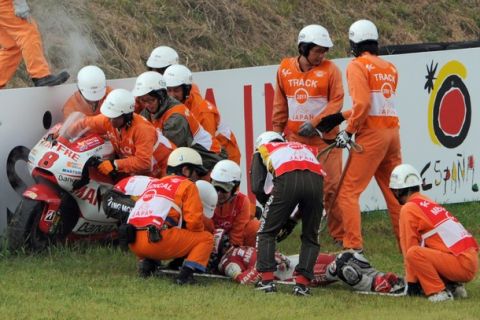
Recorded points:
51,80
175,264
414,289
185,276
146,268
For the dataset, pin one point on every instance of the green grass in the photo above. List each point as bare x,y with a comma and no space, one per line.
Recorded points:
95,282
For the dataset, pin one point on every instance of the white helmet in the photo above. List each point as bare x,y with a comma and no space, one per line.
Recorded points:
184,155
404,176
226,174
315,33
266,137
118,102
209,197
147,82
176,75
92,83
162,57
362,30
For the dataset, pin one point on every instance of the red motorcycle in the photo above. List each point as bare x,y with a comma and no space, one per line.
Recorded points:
70,199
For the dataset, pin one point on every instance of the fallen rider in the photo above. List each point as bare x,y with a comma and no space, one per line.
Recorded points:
349,267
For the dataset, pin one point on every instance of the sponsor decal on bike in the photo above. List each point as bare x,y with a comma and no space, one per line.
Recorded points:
122,207
87,194
74,165
92,228
87,144
50,215
73,172
66,178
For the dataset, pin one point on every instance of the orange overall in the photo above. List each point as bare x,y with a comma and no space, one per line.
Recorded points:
133,145
181,200
77,103
312,95
433,262
372,83
19,38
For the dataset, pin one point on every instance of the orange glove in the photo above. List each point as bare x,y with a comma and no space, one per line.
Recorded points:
106,167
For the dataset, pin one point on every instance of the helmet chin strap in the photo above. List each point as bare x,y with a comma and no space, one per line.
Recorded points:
232,195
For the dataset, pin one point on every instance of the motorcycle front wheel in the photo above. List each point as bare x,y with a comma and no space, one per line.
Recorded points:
23,231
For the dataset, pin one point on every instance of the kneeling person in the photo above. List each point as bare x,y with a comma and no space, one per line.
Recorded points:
438,252
168,217
232,213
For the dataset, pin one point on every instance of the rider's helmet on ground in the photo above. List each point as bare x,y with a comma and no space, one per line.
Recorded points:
209,197
313,35
92,83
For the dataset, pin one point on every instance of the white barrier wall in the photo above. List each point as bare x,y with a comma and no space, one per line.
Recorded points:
438,101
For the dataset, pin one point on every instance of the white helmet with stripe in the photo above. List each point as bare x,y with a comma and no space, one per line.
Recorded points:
404,176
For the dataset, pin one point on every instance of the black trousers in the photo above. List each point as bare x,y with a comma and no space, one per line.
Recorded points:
297,187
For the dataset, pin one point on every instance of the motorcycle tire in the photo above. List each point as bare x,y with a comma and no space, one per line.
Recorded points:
23,231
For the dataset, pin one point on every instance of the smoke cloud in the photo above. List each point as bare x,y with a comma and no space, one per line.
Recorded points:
66,35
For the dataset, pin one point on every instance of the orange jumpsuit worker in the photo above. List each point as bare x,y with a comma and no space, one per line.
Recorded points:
91,93
436,247
372,83
131,135
173,207
19,37
179,84
232,213
309,87
174,119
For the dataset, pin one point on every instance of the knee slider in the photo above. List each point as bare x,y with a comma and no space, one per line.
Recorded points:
349,274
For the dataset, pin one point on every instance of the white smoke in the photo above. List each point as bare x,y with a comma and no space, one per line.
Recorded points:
66,36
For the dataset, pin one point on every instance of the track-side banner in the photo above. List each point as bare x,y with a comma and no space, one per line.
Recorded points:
438,104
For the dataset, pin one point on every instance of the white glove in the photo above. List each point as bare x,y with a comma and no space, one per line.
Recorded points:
343,139
21,9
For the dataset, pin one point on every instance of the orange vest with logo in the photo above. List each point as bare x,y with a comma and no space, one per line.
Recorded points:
382,81
283,157
306,92
155,202
446,226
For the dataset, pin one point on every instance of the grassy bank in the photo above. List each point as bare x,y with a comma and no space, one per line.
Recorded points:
94,282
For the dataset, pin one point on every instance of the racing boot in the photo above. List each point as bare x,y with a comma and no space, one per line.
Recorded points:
51,80
301,290
266,286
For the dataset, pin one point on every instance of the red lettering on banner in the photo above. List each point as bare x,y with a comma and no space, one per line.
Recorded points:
248,111
269,93
210,96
